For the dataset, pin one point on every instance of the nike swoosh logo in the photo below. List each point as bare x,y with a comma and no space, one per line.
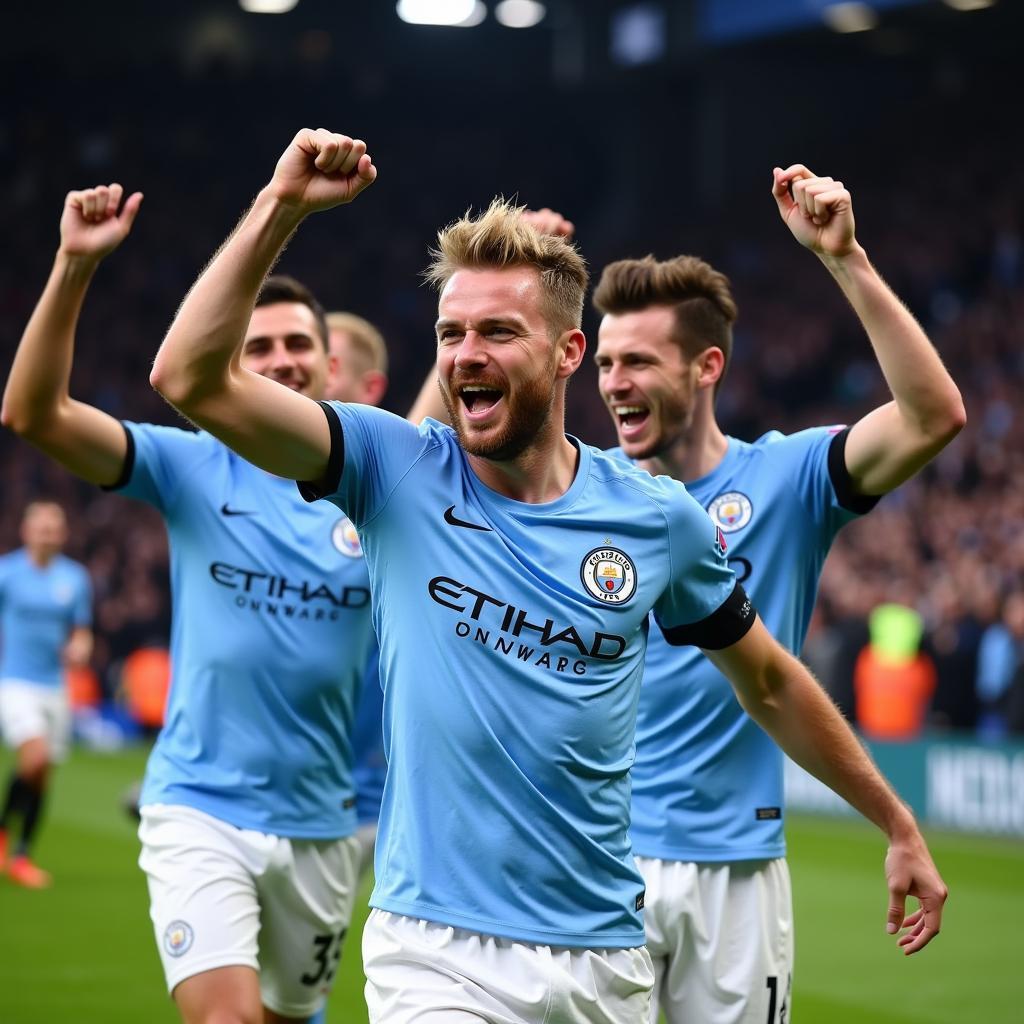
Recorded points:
453,520
225,511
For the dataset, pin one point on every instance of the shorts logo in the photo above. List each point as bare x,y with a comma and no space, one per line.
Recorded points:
609,575
178,938
731,511
345,538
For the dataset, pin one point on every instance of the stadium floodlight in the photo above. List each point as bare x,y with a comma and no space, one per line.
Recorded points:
969,5
520,13
455,13
267,6
849,17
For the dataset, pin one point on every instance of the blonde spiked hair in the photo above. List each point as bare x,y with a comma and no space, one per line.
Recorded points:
499,239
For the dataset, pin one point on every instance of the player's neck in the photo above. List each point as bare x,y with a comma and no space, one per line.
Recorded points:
541,473
697,451
40,559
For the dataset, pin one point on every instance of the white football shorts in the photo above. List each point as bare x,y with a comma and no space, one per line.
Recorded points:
721,938
418,972
30,711
366,834
223,896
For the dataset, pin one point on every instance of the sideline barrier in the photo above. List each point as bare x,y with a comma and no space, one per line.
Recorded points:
949,783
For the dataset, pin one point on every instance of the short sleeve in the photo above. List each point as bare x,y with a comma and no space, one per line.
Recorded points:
814,461
702,605
377,448
155,461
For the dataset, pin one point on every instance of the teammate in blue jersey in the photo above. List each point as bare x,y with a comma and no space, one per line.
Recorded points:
248,804
513,570
45,626
707,782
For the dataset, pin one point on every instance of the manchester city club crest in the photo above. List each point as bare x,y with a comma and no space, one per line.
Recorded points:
345,538
178,938
731,511
609,575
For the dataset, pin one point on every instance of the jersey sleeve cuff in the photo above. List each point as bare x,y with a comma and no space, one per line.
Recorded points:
313,490
728,623
129,462
842,483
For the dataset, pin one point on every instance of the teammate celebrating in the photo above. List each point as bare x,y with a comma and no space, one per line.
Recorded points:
513,570
707,782
248,805
45,625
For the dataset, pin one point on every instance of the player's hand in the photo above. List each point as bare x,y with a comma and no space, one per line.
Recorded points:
78,651
321,169
549,222
910,871
819,211
91,224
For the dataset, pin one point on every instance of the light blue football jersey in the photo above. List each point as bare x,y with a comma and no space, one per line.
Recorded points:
707,782
371,765
269,639
39,608
512,639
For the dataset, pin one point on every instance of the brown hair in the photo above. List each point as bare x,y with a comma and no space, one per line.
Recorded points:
367,342
698,294
499,238
282,288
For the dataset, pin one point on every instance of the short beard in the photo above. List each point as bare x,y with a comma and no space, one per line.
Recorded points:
527,416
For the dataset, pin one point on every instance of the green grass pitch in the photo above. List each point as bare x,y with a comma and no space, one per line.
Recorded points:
83,950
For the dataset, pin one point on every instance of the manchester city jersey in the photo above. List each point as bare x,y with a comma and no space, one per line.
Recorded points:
512,639
269,640
368,739
707,782
39,608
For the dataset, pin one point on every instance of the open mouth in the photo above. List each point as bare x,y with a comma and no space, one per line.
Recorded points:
631,419
479,401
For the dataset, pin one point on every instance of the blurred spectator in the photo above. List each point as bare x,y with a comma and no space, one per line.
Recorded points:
893,679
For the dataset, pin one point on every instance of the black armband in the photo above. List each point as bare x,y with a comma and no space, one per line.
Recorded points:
129,463
311,490
842,483
728,623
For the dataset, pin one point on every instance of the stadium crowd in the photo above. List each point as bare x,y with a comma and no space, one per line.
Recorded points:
950,543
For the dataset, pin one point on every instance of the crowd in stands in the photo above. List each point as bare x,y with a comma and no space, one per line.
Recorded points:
949,544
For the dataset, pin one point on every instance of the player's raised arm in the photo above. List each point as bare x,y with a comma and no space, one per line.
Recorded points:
37,404
198,368
778,692
894,441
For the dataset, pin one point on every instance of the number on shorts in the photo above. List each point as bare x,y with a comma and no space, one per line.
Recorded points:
773,996
327,954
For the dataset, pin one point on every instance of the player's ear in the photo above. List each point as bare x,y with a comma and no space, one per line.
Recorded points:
375,383
572,345
710,365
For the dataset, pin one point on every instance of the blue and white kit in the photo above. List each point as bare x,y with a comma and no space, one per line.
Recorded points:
512,642
269,642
